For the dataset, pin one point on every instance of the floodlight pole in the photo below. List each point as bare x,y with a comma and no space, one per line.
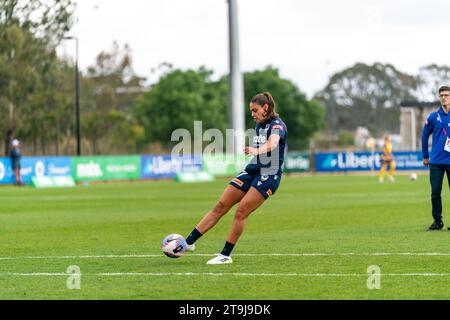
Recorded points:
77,94
236,114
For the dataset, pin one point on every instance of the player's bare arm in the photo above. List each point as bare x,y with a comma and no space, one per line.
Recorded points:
271,145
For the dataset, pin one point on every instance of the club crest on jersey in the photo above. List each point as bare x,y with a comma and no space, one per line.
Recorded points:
264,178
279,127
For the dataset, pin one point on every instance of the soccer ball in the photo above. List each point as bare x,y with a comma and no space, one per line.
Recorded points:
413,176
174,246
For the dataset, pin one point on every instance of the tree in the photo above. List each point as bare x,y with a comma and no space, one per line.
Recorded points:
51,106
29,32
110,87
182,97
430,78
177,100
368,96
49,20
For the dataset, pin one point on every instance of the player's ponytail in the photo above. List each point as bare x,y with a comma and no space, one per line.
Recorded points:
263,99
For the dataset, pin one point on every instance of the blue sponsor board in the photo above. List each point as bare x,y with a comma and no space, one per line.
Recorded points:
6,173
167,167
35,167
409,161
365,161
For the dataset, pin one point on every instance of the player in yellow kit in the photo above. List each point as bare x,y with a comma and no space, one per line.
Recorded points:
387,159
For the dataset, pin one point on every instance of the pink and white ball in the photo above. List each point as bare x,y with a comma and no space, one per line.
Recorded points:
174,246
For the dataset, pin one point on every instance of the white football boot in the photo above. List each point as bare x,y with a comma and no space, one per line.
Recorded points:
190,247
220,259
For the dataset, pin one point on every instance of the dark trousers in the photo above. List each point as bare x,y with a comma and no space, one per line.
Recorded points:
437,172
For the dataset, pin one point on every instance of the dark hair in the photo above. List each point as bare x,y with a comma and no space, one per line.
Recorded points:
266,98
444,88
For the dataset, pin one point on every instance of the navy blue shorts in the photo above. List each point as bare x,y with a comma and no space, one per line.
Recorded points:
265,184
15,165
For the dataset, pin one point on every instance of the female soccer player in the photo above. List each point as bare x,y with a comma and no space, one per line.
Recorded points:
387,159
256,184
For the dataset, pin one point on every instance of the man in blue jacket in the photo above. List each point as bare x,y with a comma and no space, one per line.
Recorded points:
438,125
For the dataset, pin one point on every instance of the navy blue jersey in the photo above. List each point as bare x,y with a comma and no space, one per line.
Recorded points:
272,162
15,158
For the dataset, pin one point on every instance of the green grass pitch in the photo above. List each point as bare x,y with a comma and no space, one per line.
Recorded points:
315,239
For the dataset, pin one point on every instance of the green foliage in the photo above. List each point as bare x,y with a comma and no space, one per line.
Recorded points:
107,122
49,19
111,132
179,99
367,96
346,139
430,78
126,132
182,97
37,91
29,70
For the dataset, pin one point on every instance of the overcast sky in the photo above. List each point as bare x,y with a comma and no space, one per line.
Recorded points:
307,40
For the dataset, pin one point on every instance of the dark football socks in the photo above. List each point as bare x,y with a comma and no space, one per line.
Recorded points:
194,236
227,249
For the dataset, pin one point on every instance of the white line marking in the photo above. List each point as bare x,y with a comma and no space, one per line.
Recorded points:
214,274
138,256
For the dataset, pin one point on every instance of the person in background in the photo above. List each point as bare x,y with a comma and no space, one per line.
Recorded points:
387,159
15,160
438,160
